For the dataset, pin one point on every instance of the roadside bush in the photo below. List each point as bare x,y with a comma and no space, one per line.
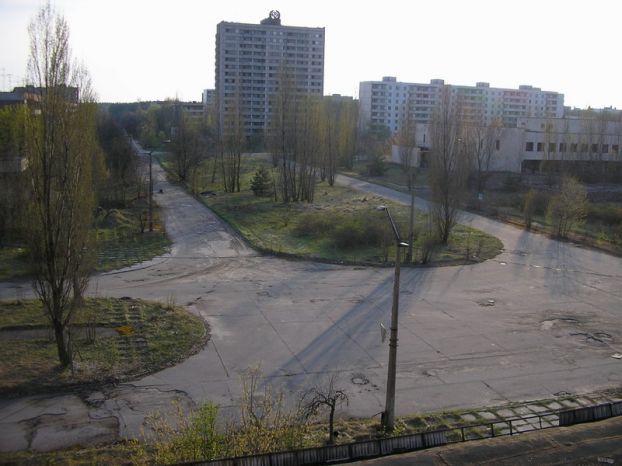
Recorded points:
377,167
315,225
567,209
264,424
606,214
427,244
354,232
539,201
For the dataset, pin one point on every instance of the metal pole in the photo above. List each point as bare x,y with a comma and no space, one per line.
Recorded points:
150,194
389,417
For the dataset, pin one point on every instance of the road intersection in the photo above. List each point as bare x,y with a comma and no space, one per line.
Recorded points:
542,318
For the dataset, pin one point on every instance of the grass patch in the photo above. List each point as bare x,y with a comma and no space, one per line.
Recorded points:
133,338
120,242
342,225
602,229
394,177
13,263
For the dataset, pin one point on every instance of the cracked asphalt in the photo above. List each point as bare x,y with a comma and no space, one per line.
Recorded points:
542,318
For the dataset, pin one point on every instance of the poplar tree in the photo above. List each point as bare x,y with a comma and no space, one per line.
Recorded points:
61,148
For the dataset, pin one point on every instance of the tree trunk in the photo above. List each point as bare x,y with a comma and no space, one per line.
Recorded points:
331,425
62,340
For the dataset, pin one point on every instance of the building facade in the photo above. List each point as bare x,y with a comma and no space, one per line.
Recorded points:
387,102
251,59
562,141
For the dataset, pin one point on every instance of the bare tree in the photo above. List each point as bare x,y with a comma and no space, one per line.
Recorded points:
294,135
348,133
324,397
448,164
568,208
188,145
232,142
407,143
61,148
549,151
483,138
329,139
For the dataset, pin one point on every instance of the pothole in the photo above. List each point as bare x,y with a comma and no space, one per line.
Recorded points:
596,337
359,379
550,323
486,302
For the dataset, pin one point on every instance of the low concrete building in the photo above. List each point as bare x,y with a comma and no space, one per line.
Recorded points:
556,141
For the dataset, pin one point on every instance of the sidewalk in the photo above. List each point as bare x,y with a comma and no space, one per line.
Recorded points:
586,444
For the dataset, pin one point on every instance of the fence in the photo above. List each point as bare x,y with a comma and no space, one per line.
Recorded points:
405,443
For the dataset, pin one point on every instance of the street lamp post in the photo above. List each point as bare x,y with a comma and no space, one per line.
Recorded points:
388,416
150,193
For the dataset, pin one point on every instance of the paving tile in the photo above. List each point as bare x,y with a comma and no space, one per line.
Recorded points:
506,413
538,408
487,415
470,418
554,405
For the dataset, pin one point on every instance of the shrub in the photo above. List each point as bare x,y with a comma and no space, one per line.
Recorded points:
567,209
354,232
607,214
377,167
261,183
315,224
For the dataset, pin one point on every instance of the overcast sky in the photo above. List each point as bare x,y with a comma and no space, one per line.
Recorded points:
154,49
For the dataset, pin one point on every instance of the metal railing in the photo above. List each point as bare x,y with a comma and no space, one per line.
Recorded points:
406,443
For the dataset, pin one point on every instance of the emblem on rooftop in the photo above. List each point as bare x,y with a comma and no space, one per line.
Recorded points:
274,18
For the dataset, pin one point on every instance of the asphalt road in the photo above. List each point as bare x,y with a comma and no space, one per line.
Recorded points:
542,318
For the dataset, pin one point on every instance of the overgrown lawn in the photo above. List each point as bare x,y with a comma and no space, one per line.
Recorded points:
132,338
342,225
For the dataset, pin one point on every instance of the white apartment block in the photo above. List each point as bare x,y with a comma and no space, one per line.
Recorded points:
386,102
251,57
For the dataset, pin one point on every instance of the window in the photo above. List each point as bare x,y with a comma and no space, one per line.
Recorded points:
540,146
615,149
497,144
552,146
573,147
584,147
594,148
529,147
605,148
562,147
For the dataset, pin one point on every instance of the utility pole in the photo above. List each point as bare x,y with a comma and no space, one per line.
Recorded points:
388,416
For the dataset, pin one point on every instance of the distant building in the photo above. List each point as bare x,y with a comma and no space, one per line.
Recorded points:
208,99
192,109
386,102
250,58
8,99
558,141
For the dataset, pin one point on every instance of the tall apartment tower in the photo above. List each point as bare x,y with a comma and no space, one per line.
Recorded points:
386,102
250,59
